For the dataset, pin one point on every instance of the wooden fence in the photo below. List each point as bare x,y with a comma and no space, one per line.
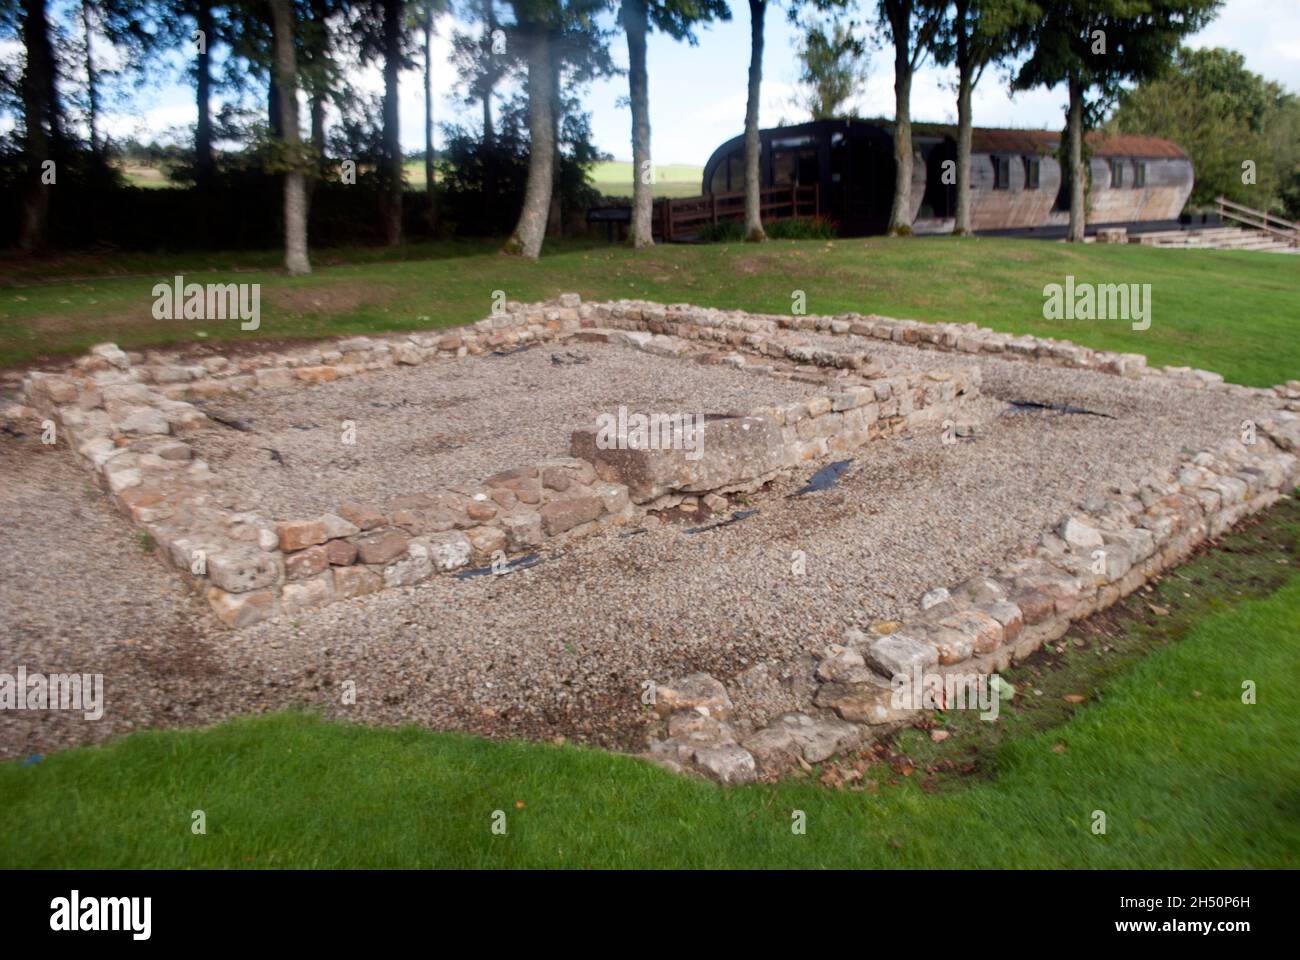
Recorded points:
683,218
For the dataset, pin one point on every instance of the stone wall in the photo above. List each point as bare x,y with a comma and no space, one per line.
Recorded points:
126,416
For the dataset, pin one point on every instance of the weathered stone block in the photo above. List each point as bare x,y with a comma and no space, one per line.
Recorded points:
449,550
522,530
355,581
726,451
561,515
697,691
242,609
307,594
306,563
239,571
901,653
300,534
366,516
341,553
381,546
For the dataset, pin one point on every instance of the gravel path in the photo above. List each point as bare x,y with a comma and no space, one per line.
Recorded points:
448,423
563,648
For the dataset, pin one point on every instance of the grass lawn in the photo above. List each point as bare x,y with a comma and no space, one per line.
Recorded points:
1234,312
1187,775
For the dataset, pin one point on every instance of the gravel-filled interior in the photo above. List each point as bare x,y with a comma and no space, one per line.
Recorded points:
419,429
564,647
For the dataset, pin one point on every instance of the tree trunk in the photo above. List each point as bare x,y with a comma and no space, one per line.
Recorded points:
274,112
285,70
1078,175
317,108
641,233
204,165
753,206
38,114
555,221
490,27
392,164
531,229
900,214
92,97
319,95
961,223
428,106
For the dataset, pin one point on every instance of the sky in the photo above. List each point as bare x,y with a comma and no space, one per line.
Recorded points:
697,93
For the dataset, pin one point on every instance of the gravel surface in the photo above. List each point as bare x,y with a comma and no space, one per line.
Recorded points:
78,593
448,423
563,648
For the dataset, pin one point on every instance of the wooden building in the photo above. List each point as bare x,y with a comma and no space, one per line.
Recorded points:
1016,180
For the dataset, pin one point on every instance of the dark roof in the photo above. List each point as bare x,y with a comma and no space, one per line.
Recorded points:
985,140
999,140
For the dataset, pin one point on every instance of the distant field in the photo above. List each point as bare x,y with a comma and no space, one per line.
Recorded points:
614,179
150,177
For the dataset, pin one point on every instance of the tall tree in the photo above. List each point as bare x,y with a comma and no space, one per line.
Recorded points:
482,59
911,26
833,64
754,231
677,18
428,12
42,124
318,70
636,23
1093,46
391,172
972,35
285,69
533,22
204,162
565,48
92,88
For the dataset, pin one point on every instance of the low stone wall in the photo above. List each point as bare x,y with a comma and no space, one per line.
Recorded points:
1085,563
126,415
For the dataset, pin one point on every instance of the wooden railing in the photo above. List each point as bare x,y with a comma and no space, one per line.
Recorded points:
1275,226
684,217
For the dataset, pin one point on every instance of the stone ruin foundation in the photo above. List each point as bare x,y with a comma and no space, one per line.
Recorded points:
136,421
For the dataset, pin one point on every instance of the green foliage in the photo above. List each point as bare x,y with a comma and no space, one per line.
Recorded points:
1101,44
833,67
795,228
802,228
1222,115
725,231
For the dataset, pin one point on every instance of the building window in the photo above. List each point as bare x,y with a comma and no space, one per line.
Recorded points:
1031,173
1116,174
1001,173
1139,173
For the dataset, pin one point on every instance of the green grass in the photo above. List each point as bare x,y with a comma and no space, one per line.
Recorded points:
1234,312
1187,774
